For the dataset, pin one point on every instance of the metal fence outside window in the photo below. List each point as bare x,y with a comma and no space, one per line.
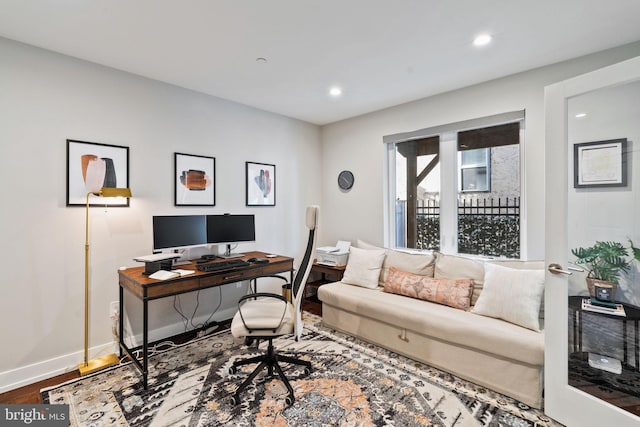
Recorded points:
488,227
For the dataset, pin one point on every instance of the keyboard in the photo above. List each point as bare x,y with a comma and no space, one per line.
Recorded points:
222,265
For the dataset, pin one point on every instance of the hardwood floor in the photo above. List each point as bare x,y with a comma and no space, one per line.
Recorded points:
30,394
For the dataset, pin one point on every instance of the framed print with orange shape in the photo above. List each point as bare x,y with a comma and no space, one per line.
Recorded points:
92,166
194,180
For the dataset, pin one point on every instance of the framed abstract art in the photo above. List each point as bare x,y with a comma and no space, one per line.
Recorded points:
92,166
194,180
260,184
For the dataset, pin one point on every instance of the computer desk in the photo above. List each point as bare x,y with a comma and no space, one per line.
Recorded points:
146,289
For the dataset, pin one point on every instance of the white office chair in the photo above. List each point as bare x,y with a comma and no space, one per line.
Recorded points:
265,316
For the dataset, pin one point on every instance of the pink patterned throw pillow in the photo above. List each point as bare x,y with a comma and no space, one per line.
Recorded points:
455,293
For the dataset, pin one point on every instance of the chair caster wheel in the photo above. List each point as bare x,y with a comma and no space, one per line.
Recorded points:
307,371
289,400
233,370
233,401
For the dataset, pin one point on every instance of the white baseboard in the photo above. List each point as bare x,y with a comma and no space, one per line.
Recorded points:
30,374
25,375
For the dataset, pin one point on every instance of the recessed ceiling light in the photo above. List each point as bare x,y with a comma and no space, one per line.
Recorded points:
335,91
581,115
482,40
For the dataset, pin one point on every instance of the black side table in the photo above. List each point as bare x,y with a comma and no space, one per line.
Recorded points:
326,271
633,315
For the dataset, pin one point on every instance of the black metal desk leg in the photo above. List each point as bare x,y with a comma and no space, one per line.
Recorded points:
121,319
145,344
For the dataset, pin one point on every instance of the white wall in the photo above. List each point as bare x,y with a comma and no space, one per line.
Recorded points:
46,98
356,144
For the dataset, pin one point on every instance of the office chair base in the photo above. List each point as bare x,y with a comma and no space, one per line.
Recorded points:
270,361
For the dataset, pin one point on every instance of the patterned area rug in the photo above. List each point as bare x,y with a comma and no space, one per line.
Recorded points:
353,383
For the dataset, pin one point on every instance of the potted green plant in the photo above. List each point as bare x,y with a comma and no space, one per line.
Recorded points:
605,262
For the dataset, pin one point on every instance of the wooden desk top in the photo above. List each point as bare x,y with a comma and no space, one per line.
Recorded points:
144,287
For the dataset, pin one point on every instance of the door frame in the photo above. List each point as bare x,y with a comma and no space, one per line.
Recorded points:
564,403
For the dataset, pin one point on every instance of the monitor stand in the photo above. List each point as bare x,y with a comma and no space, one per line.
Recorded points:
227,254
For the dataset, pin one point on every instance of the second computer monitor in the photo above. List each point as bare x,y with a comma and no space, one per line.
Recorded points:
229,229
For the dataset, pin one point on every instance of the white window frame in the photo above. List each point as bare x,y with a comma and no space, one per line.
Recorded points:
449,177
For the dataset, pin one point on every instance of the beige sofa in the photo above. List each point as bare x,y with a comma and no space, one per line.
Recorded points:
488,351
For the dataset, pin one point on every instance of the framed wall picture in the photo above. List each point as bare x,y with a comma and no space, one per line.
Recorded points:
194,180
600,164
261,184
91,166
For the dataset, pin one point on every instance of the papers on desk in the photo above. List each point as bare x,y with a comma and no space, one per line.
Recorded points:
156,257
173,274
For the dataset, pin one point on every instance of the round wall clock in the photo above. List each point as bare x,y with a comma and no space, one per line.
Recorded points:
345,180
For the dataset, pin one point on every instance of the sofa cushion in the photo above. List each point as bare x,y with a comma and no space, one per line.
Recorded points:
454,293
524,265
512,294
363,267
448,324
459,267
421,263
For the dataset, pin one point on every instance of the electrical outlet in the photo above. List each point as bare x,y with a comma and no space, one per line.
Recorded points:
114,309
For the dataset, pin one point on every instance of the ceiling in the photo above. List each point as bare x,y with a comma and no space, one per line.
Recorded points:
380,52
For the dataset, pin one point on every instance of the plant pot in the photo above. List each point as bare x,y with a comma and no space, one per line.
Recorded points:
591,285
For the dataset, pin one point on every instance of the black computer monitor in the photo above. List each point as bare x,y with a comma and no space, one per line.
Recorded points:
229,229
179,231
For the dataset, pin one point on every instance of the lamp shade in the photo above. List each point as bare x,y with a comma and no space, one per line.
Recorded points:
115,192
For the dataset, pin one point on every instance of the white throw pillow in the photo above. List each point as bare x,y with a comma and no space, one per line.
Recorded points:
363,267
511,294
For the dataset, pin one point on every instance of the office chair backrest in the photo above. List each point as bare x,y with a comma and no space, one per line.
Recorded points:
304,268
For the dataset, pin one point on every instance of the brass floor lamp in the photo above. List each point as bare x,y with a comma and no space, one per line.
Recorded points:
94,365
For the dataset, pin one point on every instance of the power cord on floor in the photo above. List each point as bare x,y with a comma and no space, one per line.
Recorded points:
153,349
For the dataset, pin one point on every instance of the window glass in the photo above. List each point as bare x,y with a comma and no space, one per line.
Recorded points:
418,194
476,157
474,179
482,208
